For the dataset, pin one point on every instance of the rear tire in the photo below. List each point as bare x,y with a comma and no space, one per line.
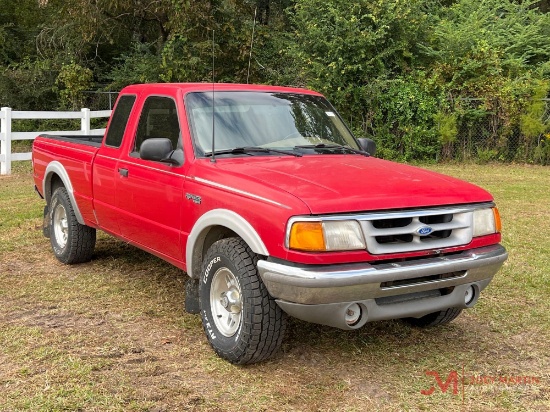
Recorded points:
71,241
436,318
242,322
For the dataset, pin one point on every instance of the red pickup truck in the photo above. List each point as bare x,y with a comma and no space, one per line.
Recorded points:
273,208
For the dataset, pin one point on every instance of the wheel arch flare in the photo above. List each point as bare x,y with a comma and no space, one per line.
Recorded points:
214,225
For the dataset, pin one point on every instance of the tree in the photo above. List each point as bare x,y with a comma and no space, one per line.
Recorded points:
348,49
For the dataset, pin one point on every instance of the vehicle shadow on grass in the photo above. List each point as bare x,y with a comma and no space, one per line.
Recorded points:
395,339
388,342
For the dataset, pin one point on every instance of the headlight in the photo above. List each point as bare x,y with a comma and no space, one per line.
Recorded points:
326,236
486,221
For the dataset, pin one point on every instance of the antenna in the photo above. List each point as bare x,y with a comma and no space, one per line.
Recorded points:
251,44
212,158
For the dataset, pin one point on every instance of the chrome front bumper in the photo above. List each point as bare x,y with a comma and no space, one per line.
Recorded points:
386,291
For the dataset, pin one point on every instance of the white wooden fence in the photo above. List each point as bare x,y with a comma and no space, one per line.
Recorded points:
7,136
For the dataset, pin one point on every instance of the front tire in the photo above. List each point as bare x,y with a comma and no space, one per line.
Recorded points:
242,322
71,242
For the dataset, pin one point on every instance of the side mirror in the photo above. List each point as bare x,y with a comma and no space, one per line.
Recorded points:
157,149
367,145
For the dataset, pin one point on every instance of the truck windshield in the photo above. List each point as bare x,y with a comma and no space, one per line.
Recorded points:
282,121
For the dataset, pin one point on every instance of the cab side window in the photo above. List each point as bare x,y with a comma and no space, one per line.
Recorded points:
158,119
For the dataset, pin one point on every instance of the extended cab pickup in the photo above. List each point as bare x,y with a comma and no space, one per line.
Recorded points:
272,207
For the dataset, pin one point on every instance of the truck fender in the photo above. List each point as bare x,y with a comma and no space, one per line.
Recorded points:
56,168
219,217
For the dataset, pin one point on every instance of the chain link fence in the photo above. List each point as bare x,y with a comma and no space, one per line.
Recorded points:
485,134
96,100
99,100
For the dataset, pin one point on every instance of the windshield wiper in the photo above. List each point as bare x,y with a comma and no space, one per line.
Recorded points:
252,149
332,146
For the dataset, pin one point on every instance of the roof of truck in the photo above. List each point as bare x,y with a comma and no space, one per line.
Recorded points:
206,87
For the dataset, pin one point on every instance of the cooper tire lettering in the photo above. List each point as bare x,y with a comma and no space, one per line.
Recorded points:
207,271
208,326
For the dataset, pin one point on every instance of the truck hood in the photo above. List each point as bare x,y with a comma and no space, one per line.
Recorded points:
354,183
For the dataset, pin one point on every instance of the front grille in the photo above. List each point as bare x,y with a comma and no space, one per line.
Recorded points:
397,232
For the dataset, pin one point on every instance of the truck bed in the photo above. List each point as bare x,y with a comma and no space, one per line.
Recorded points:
89,140
74,156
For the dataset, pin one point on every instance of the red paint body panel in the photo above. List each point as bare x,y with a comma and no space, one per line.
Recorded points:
150,209
105,174
149,204
266,207
352,183
77,160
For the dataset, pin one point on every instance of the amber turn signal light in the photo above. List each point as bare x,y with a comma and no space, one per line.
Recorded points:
307,236
498,223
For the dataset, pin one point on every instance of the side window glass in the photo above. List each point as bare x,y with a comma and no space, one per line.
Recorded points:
158,119
119,120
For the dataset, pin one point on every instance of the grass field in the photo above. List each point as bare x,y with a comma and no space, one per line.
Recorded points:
111,335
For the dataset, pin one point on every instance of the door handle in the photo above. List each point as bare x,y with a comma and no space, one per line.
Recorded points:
123,172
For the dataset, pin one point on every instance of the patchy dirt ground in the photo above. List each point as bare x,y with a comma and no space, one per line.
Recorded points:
112,335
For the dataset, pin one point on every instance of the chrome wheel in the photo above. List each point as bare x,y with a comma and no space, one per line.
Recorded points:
60,226
226,302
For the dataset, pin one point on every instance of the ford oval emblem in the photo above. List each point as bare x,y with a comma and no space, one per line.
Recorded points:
424,230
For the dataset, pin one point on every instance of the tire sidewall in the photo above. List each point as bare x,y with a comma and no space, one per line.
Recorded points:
225,345
58,198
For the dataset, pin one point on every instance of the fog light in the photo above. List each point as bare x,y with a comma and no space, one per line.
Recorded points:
470,295
353,314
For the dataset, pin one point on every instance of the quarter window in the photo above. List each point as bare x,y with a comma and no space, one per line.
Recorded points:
119,120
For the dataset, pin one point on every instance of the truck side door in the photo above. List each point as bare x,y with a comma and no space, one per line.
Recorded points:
105,174
150,194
